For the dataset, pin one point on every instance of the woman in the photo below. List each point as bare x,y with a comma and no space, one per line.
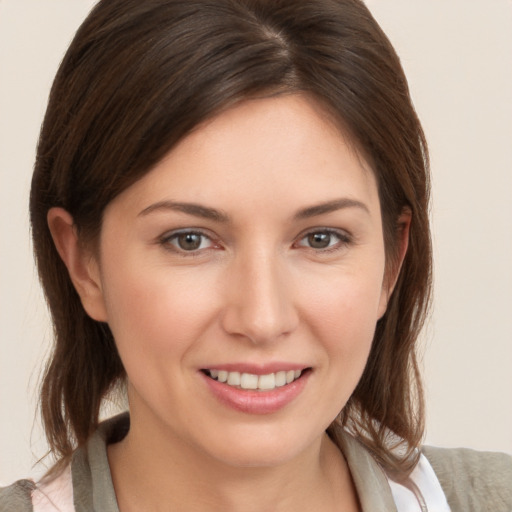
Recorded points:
229,213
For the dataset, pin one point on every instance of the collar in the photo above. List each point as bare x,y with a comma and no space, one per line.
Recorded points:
93,488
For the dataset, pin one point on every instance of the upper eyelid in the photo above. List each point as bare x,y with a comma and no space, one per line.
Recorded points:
342,233
180,231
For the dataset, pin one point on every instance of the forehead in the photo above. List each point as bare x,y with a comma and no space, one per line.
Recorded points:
284,147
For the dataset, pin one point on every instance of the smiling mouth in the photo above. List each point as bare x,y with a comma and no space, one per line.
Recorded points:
250,381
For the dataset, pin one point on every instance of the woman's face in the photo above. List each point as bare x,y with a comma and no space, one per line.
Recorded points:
252,252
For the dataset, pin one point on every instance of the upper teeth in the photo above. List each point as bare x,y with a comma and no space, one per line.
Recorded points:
252,381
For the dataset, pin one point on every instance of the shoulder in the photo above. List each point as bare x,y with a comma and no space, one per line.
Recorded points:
49,495
17,497
86,481
473,480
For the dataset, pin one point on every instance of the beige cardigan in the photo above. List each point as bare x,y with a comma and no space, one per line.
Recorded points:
472,481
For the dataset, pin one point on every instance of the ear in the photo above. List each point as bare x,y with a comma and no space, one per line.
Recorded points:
81,264
392,273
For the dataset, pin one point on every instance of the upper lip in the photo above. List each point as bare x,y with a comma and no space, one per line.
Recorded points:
256,369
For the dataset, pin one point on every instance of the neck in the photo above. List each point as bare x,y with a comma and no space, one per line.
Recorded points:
155,471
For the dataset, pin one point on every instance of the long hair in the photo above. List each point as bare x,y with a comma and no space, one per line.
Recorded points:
137,78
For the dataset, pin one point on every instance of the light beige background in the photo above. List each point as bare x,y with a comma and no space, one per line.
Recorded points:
458,57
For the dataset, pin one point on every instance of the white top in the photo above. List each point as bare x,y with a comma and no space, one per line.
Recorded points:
56,496
421,492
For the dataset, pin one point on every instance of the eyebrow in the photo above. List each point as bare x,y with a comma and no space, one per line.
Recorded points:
194,209
206,212
329,207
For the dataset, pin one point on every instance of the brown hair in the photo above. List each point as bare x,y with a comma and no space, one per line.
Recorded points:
137,78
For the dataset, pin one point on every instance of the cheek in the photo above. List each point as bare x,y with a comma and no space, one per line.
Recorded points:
155,311
343,312
346,334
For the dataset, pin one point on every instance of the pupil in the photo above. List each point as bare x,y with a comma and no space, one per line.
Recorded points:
189,241
319,240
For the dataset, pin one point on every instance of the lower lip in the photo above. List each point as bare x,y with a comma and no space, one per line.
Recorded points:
256,402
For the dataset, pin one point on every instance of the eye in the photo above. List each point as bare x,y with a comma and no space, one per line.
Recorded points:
187,241
324,239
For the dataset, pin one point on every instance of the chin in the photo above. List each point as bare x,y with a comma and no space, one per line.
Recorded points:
256,458
262,450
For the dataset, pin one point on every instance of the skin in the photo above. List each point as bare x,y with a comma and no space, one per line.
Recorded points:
257,289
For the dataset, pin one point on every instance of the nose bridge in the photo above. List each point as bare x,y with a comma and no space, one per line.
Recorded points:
259,305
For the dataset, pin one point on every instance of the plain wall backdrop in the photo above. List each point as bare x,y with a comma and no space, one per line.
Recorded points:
457,55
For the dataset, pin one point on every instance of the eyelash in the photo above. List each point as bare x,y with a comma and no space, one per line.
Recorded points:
344,239
167,242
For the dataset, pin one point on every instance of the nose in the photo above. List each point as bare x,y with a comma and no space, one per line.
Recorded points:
259,299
